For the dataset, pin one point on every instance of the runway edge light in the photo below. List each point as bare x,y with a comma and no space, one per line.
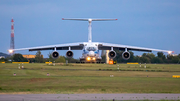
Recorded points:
112,62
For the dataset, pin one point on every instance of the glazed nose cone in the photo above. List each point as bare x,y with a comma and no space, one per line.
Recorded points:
91,53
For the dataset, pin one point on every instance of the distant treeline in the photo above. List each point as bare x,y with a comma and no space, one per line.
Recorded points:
148,58
38,59
145,58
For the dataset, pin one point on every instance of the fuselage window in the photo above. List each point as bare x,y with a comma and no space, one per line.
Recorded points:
91,48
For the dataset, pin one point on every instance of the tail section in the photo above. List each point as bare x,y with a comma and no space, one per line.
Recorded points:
90,25
89,19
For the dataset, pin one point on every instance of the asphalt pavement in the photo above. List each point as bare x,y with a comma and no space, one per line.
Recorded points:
99,97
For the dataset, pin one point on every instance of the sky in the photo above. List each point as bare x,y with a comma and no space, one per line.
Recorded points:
143,23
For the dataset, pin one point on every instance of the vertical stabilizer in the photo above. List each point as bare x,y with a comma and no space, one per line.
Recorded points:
90,31
90,25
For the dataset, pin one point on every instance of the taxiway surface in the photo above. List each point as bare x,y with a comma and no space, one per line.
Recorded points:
59,97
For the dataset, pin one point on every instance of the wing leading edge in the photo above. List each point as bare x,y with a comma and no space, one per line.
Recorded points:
107,46
72,46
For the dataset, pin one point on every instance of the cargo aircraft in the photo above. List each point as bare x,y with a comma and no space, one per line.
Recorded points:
90,49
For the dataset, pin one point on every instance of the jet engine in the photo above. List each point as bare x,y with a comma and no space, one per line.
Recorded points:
55,54
69,54
126,55
112,54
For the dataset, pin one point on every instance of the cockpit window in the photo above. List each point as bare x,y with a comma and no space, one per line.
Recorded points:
91,48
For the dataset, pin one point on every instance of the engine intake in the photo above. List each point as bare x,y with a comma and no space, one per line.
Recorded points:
125,55
112,54
69,54
55,54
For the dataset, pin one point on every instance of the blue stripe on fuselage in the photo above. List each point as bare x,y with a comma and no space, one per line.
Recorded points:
87,52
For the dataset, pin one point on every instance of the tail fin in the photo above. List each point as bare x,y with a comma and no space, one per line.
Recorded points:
90,27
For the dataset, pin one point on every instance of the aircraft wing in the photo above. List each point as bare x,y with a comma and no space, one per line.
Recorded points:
73,46
107,46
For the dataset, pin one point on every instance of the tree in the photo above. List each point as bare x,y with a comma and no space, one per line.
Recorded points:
151,56
39,57
175,59
19,58
160,54
119,58
169,58
3,60
72,60
144,55
50,57
131,59
157,60
145,59
32,60
60,59
137,59
161,57
179,56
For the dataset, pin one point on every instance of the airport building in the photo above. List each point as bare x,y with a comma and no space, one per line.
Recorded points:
29,56
174,54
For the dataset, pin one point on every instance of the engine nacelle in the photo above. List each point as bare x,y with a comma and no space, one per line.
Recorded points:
126,55
55,54
69,54
112,54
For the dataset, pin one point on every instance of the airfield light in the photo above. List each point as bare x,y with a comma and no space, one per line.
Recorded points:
94,58
10,51
88,58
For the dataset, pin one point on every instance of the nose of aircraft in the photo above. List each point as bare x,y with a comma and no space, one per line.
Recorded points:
91,53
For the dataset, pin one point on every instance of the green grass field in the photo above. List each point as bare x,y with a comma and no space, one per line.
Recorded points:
89,78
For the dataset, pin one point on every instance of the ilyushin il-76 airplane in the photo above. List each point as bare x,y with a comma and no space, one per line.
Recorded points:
90,49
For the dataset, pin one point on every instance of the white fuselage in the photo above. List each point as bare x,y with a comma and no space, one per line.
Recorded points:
90,52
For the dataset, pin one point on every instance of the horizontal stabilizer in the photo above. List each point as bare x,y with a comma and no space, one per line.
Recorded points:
89,19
